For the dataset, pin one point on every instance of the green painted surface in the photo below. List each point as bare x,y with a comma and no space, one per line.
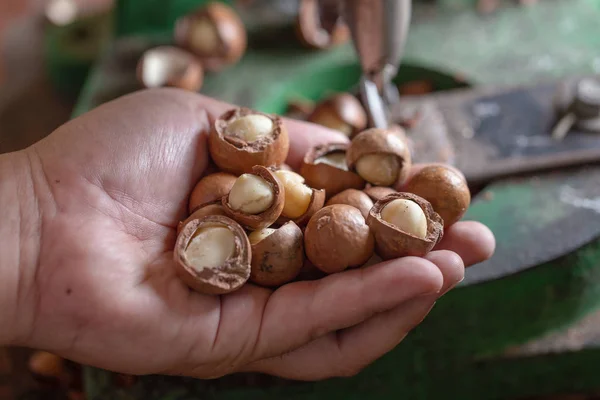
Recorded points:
515,46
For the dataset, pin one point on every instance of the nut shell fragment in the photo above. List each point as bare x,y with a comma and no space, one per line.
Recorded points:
211,188
236,156
445,189
337,238
278,258
226,278
355,198
269,216
391,242
326,176
384,142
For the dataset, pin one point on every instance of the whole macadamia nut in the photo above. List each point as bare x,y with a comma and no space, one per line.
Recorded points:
354,198
337,238
445,189
211,188
342,112
242,138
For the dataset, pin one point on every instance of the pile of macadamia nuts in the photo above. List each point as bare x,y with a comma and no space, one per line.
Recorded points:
253,219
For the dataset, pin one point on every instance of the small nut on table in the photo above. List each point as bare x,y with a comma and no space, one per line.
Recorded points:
214,33
337,238
167,66
380,156
213,255
242,138
325,167
301,201
404,224
256,200
446,190
277,255
209,189
342,112
355,198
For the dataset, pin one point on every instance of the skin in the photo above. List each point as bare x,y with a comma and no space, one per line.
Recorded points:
89,219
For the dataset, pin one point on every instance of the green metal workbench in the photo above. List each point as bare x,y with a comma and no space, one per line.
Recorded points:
507,332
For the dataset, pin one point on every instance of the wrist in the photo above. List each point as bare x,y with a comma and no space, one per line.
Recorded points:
20,238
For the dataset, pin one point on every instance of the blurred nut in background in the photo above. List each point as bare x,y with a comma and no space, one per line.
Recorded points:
169,66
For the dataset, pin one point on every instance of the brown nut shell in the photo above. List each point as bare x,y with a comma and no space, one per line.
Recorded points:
445,189
342,112
167,66
318,27
355,198
381,141
236,156
378,192
231,34
210,188
324,176
230,276
317,201
391,242
278,258
48,368
269,216
337,238
208,209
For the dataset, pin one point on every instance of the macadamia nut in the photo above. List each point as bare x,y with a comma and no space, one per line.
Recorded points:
251,194
297,194
260,234
204,38
335,159
407,216
332,121
250,127
210,247
378,169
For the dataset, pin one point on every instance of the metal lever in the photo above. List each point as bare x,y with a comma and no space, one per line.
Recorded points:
379,29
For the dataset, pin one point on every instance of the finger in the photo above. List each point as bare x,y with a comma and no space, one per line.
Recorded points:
304,136
301,312
348,351
471,240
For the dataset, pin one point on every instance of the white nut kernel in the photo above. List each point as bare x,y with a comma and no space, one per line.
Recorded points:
407,216
204,38
379,169
210,247
260,234
335,159
251,194
297,194
251,127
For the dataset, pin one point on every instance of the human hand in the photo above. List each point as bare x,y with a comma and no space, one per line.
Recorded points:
111,187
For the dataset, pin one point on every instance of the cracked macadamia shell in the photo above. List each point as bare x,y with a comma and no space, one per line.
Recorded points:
237,156
261,219
201,246
445,189
355,198
208,209
320,31
171,67
324,167
278,258
391,242
342,112
337,238
211,188
375,143
378,192
214,33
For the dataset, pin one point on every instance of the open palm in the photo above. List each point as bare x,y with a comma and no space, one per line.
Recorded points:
112,186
